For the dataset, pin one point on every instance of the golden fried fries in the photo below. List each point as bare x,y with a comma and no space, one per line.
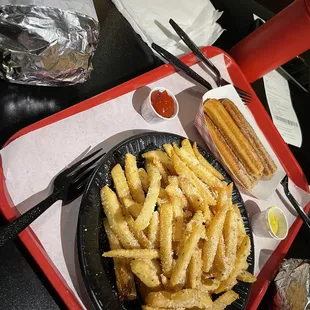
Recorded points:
175,234
200,171
147,272
135,253
242,253
132,207
206,164
225,300
195,270
182,170
187,298
230,233
245,276
139,234
144,178
116,220
162,157
186,145
168,149
133,179
153,230
220,256
125,281
165,240
176,202
120,183
194,198
143,219
186,253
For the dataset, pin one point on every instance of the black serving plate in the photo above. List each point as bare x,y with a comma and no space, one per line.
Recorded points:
97,271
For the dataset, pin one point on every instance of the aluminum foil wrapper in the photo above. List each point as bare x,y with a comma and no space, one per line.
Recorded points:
47,45
293,285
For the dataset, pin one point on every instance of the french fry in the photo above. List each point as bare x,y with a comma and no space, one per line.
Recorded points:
185,255
168,148
197,219
134,253
241,230
214,232
200,171
210,285
120,183
206,164
153,230
220,256
245,276
125,280
225,300
182,170
194,197
132,207
230,233
156,308
144,179
177,212
174,180
116,220
147,273
242,254
162,170
186,145
139,234
133,179
187,298
143,219
195,270
165,240
162,157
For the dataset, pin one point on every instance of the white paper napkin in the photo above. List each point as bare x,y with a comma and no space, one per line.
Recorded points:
150,19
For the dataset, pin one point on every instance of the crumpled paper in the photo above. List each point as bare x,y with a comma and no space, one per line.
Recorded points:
293,285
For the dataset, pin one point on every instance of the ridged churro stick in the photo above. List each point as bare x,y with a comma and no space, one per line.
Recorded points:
229,157
236,140
269,166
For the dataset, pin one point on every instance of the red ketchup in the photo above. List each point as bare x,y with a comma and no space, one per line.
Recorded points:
162,103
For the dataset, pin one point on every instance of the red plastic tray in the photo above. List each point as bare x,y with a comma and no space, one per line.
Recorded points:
285,156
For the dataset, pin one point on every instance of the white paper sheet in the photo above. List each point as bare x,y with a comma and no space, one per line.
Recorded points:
280,105
31,161
281,108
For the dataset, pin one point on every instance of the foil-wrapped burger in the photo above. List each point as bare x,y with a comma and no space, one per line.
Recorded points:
49,46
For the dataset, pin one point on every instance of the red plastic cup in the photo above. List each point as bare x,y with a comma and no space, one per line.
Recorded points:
279,40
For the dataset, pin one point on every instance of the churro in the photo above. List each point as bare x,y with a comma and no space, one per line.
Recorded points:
234,137
269,166
229,157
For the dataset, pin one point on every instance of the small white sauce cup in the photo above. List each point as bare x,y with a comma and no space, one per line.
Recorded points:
149,113
261,227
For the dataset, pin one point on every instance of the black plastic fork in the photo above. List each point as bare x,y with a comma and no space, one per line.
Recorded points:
67,186
245,96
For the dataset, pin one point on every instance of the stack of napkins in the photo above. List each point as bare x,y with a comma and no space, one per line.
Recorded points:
150,19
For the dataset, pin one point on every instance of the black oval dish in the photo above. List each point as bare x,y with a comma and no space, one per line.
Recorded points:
97,271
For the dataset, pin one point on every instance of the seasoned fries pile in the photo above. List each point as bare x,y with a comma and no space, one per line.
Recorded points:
174,233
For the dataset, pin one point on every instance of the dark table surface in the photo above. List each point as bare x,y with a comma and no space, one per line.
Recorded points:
121,55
